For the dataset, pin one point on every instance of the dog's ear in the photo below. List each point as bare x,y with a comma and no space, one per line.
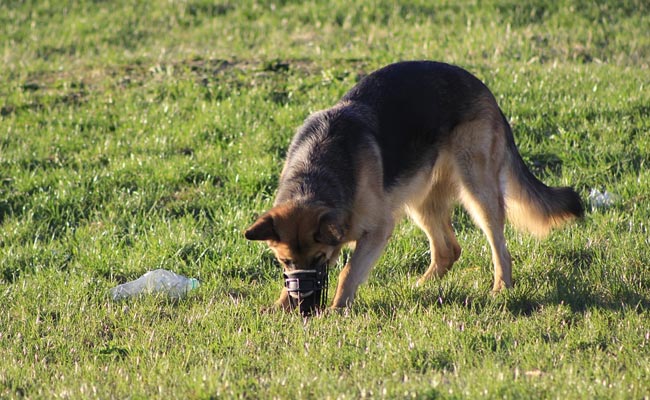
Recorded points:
262,229
331,229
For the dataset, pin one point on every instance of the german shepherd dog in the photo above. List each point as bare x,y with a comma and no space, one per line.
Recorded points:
412,137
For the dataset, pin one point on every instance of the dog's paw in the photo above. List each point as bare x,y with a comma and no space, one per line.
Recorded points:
276,308
269,309
337,310
501,287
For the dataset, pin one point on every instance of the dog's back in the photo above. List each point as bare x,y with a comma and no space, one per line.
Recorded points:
417,105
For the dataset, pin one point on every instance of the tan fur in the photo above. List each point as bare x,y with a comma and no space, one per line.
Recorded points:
296,227
525,215
474,166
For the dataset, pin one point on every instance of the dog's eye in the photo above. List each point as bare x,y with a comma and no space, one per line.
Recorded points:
286,262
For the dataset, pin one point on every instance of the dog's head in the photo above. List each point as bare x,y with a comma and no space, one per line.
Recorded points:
302,237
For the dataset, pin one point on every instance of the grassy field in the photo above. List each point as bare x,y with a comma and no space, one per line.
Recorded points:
149,134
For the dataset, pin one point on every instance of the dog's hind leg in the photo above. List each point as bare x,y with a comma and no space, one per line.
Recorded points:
486,206
433,216
479,166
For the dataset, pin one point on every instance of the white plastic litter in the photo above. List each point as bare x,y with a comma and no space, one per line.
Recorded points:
159,281
600,199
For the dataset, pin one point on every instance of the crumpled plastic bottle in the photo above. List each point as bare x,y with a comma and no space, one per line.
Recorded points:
159,281
600,199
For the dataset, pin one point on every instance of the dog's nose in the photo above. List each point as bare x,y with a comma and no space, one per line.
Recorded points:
307,289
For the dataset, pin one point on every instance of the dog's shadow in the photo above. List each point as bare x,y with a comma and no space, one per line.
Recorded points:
583,286
591,283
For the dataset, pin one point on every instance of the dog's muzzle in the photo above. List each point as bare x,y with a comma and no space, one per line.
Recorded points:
307,288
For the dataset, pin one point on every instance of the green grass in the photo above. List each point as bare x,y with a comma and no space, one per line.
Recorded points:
142,135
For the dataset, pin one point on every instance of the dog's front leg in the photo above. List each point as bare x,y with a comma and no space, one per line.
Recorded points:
356,271
283,302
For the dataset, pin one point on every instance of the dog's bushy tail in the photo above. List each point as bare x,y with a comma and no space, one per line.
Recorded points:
530,204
